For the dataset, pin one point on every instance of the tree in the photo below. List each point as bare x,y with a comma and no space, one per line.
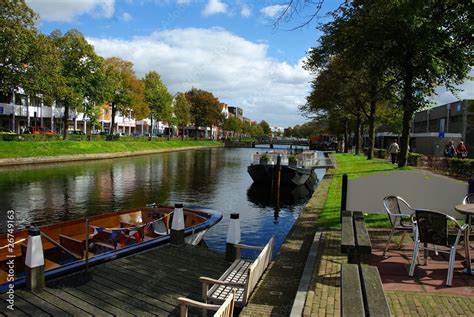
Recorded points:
204,108
158,98
18,37
182,111
265,127
81,67
126,92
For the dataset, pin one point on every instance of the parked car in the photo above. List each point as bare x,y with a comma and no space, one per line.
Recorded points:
39,130
6,131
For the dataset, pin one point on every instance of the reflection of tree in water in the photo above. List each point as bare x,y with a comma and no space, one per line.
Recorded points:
45,194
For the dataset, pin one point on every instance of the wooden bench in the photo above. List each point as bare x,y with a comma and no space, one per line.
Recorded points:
362,292
355,239
242,275
224,310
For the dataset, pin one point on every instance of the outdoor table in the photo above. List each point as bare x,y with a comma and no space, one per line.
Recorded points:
468,210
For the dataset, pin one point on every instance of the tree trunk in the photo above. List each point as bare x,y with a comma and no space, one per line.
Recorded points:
373,108
65,118
182,134
345,137
195,133
357,135
112,120
408,111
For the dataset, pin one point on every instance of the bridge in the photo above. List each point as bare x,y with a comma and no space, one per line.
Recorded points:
268,141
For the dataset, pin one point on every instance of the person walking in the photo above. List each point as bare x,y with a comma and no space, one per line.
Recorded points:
461,150
393,149
449,150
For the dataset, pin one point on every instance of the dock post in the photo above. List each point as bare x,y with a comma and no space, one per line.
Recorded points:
233,237
343,196
34,262
177,226
277,176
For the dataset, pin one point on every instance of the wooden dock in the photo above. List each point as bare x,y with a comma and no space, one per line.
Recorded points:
143,284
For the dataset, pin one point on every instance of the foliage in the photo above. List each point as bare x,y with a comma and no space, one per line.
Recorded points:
460,167
157,97
265,127
18,34
205,108
414,159
82,72
182,111
380,153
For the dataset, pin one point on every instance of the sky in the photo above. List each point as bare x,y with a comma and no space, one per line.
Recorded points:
230,48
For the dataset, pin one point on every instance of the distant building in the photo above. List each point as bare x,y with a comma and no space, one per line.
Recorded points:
434,128
237,112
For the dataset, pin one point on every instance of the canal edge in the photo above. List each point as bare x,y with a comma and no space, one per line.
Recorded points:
277,290
92,157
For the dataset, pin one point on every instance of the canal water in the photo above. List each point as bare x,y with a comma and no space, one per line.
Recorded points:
215,178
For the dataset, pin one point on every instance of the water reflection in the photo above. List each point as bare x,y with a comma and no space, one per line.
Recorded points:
216,178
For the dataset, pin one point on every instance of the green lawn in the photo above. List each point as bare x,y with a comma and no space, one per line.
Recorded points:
17,149
353,166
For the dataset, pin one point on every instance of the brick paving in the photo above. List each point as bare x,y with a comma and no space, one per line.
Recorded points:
324,297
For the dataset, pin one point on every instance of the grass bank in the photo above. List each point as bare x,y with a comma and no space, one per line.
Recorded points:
354,167
15,149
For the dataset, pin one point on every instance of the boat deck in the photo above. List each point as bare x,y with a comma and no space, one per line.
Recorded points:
144,284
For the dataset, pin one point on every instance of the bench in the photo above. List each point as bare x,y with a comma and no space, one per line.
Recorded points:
355,241
224,310
362,292
242,275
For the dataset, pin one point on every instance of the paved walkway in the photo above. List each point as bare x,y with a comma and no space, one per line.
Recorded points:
425,296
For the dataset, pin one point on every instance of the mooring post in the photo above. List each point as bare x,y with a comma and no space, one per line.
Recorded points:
233,237
34,261
343,196
177,226
277,176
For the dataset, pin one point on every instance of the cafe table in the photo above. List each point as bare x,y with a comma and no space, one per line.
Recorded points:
468,210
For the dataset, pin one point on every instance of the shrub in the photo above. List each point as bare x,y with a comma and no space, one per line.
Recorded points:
414,159
380,153
460,167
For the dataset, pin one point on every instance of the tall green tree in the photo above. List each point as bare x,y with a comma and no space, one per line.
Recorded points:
124,89
158,98
204,108
81,67
17,37
265,127
182,111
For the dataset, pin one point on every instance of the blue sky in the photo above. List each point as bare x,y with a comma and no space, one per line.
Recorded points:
227,47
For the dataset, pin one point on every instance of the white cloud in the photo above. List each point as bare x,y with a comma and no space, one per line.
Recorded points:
444,96
126,17
272,11
66,11
245,11
236,70
214,7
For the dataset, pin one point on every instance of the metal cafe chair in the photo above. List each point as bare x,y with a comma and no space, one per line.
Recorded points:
432,228
399,220
469,199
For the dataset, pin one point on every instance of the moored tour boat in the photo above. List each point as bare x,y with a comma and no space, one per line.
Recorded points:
297,169
108,236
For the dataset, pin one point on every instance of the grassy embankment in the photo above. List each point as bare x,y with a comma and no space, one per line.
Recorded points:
354,167
15,149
